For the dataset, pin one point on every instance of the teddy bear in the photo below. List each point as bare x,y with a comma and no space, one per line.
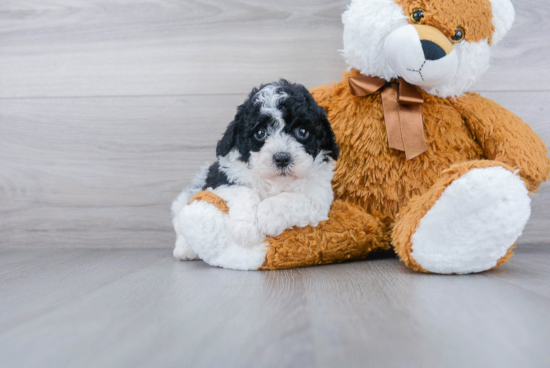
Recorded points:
437,174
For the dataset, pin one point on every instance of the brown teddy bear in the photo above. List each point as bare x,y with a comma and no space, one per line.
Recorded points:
438,174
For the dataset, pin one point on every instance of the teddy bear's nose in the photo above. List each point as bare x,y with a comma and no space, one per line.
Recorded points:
432,51
435,44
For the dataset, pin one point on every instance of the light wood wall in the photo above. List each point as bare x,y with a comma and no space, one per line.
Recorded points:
107,108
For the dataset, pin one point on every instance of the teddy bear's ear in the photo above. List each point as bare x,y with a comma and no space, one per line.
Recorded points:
503,18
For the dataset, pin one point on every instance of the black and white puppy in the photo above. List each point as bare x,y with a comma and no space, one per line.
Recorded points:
274,170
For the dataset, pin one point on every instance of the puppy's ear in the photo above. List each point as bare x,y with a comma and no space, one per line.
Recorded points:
329,143
228,141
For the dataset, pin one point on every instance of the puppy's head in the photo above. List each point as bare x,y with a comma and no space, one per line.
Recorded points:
280,132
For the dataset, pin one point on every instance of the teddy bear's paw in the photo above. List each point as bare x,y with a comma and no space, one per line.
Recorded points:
473,224
183,252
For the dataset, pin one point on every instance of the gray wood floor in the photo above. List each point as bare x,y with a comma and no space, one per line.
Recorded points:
141,308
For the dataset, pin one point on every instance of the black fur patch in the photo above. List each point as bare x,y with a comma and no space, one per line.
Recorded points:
299,109
215,177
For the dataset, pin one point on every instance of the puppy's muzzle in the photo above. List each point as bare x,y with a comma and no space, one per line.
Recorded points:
282,159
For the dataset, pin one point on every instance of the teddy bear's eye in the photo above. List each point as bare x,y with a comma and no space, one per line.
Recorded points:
458,36
417,15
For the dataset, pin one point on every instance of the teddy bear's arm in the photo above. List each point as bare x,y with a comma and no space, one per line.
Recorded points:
506,138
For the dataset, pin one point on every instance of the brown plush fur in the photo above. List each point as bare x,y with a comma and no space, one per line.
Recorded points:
506,138
460,134
211,198
475,17
350,233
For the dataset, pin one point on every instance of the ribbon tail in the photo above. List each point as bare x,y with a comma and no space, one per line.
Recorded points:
391,108
412,130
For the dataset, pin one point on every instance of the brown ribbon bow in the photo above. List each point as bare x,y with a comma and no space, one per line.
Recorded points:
401,102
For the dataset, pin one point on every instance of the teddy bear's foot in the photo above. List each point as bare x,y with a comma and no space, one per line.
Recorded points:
466,223
204,225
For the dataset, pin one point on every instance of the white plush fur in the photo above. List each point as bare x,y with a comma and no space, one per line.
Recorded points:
414,68
473,224
473,61
369,23
503,18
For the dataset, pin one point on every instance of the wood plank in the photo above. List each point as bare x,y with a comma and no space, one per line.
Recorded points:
66,48
50,278
377,313
380,314
168,314
529,270
161,47
102,172
521,61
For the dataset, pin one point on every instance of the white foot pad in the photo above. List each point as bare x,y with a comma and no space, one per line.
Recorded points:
474,223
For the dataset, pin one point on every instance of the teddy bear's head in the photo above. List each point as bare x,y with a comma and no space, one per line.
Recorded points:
442,46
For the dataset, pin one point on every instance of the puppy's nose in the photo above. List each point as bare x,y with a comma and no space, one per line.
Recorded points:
432,51
282,159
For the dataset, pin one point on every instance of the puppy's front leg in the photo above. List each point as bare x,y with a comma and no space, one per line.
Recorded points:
286,210
242,226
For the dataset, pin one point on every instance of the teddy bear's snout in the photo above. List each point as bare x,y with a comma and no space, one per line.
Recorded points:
422,55
434,43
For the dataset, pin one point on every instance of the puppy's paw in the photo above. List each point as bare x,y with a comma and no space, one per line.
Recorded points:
245,233
272,227
271,220
183,252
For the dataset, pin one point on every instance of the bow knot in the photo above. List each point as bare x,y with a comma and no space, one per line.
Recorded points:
401,103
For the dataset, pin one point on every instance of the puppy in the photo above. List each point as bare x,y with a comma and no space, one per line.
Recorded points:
274,170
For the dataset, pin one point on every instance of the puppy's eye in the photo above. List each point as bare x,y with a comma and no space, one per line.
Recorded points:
301,133
260,135
458,36
417,15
